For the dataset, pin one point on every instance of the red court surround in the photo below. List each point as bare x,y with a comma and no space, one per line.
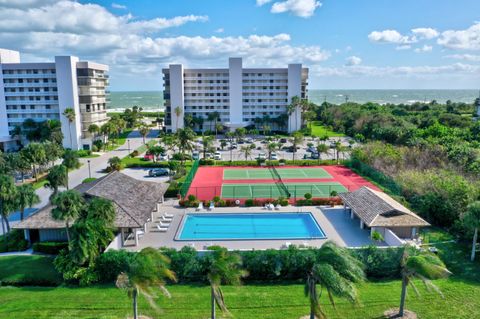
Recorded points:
208,180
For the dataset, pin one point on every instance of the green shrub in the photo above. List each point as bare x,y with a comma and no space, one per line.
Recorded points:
249,202
94,148
307,196
207,162
89,180
111,263
49,247
16,241
134,153
380,263
181,157
84,153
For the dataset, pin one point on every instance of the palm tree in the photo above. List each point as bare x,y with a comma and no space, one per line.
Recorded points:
57,176
224,268
471,219
185,139
26,197
149,270
34,153
271,147
94,130
321,148
68,206
423,266
214,117
69,113
247,151
178,112
336,271
296,140
207,142
291,108
144,130
8,193
338,149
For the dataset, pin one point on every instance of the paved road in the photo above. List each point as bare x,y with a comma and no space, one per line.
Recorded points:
97,164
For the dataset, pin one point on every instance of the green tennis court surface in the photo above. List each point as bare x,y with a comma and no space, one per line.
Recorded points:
285,173
271,190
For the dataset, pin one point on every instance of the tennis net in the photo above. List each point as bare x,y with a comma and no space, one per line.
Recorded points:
278,181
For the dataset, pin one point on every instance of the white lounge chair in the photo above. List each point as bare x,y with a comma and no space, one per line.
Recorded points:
277,207
272,207
164,224
161,229
166,220
200,206
168,215
212,206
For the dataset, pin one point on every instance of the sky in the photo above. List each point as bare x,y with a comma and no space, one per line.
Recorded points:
346,44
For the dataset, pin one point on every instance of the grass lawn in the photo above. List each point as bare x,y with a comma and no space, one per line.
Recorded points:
40,183
320,130
251,301
119,141
28,269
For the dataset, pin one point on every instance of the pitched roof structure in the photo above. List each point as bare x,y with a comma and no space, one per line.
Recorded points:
377,209
134,201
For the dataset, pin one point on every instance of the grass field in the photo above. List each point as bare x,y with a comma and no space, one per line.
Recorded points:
285,173
320,130
251,301
272,190
28,269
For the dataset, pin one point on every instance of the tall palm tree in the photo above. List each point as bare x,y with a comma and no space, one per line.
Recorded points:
207,143
336,271
178,112
338,149
8,193
57,176
94,130
224,268
149,270
144,130
321,149
471,219
296,140
271,147
26,197
213,119
35,154
69,113
247,151
184,138
423,266
68,206
291,108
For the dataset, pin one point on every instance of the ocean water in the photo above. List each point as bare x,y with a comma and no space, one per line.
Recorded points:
153,100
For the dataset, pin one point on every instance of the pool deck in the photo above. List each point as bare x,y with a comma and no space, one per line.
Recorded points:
334,221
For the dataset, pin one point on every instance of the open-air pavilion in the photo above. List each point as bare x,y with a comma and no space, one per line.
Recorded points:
379,212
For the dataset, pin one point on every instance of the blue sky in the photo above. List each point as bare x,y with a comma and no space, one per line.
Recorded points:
368,44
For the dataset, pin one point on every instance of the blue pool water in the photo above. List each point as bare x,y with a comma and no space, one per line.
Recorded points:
221,226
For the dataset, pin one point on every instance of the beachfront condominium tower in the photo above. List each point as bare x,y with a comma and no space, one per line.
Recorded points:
43,91
236,96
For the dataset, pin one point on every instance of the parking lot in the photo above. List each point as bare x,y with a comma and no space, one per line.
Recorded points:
142,174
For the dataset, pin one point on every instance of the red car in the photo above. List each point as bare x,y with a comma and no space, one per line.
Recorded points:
148,157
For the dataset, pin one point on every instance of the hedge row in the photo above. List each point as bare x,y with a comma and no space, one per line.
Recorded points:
300,162
262,265
16,241
49,247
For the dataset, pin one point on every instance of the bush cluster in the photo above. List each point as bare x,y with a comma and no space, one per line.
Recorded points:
262,265
319,201
49,247
16,241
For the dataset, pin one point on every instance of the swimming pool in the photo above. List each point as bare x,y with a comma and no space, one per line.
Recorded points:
249,226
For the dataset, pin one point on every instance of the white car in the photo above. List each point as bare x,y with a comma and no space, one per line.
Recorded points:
195,156
262,156
274,157
217,156
162,157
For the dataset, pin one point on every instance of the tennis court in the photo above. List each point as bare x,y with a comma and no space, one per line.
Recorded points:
274,190
285,173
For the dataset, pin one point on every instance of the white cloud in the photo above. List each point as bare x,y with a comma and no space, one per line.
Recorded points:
262,2
468,39
425,48
425,33
353,60
465,57
118,6
157,24
390,36
220,30
300,8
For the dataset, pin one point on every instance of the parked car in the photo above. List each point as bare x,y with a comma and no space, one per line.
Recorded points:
148,157
217,156
208,156
233,146
315,156
158,172
195,156
283,140
261,156
311,149
274,157
162,157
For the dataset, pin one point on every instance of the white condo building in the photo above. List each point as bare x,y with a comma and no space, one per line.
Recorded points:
241,96
42,91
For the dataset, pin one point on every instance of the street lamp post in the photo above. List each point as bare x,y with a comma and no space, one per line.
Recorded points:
128,142
89,172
